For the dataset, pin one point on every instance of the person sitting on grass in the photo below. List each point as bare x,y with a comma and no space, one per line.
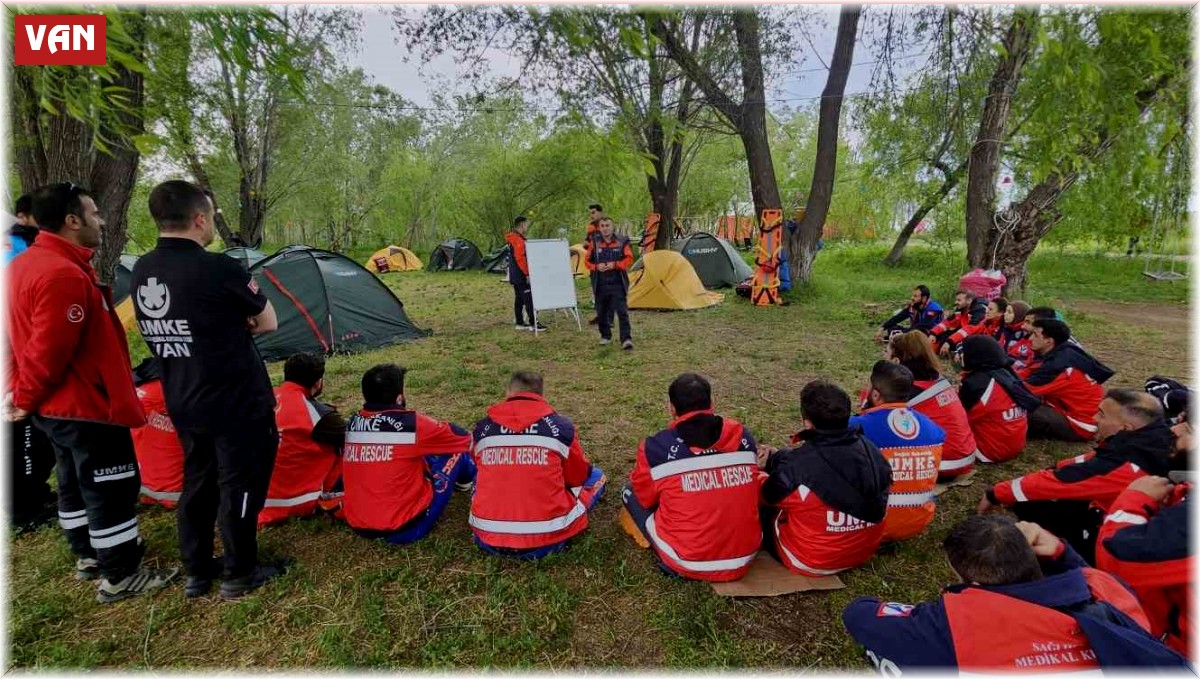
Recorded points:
922,313
693,491
911,443
1025,603
1068,379
995,399
1072,497
935,397
1013,331
400,466
159,453
308,468
534,485
969,311
825,499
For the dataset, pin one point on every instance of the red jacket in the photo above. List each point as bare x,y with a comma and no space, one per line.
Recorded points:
623,260
939,402
704,500
1098,476
999,424
959,324
71,360
531,469
304,469
383,464
159,454
1146,544
517,242
1068,379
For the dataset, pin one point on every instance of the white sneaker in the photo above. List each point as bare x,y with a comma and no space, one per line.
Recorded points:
464,487
604,341
87,569
143,580
522,327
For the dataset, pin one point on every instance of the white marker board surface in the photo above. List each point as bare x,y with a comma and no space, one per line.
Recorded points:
550,274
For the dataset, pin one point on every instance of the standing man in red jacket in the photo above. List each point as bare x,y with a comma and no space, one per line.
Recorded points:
72,376
609,257
518,275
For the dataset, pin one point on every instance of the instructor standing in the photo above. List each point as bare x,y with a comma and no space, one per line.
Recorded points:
518,275
609,258
198,312
70,372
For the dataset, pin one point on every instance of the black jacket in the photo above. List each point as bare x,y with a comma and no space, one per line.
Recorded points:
1068,356
841,466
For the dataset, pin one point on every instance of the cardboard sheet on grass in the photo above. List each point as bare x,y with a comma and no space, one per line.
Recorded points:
960,482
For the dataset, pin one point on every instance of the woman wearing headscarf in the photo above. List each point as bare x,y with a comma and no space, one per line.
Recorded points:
1014,337
995,399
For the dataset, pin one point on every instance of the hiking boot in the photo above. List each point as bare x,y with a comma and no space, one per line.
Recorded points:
199,585
143,580
627,344
87,569
604,341
236,588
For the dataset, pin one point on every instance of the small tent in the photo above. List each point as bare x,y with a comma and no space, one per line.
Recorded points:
579,261
393,258
667,281
248,257
715,260
121,280
327,303
456,254
497,260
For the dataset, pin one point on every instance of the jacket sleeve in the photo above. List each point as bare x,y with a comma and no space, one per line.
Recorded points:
1142,546
626,258
519,254
589,250
52,345
331,430
1046,378
643,485
577,466
899,636
434,437
779,485
1084,480
897,318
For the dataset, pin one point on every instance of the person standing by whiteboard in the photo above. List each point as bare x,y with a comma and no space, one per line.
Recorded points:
518,275
609,257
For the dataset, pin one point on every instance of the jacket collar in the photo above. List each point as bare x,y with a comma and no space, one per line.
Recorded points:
687,416
299,388
381,407
178,244
78,254
1062,589
526,396
885,406
829,437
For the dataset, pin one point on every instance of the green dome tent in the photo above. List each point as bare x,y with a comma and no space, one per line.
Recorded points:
456,254
327,303
715,260
247,257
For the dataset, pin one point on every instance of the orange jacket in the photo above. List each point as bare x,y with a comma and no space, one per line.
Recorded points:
517,242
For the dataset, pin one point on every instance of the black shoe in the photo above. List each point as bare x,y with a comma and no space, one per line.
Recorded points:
236,588
199,585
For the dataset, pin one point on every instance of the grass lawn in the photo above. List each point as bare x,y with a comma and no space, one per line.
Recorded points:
442,603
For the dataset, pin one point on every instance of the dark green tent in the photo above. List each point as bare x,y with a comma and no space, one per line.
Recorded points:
248,257
716,261
497,261
327,303
456,254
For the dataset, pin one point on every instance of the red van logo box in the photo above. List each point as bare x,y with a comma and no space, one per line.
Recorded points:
59,40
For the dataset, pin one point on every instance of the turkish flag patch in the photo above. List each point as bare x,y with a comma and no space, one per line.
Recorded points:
253,285
890,609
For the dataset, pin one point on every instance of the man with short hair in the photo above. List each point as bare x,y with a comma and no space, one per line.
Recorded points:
609,257
1071,498
595,214
400,466
308,466
199,311
534,485
825,499
910,442
1068,380
969,312
693,491
1026,603
72,378
518,275
922,313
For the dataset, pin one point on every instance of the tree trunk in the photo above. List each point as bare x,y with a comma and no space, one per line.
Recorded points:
933,201
993,123
28,148
802,245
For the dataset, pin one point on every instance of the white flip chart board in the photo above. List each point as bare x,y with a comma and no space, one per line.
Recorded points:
550,274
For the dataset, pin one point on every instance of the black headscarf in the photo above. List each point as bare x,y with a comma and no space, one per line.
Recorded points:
984,360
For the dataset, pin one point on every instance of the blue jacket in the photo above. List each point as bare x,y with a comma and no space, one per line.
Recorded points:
925,319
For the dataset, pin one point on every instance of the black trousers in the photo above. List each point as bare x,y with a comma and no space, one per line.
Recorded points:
522,301
98,484
1072,520
32,461
225,479
1047,423
610,300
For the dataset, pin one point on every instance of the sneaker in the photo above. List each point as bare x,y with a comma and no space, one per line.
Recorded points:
522,327
604,341
87,569
627,344
464,487
143,580
540,328
236,588
199,585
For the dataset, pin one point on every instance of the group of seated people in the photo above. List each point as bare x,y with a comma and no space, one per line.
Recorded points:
704,496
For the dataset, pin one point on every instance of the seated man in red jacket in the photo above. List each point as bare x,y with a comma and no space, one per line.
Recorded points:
1071,498
969,311
534,485
826,498
1068,379
159,453
308,466
1144,541
399,466
693,491
1026,603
